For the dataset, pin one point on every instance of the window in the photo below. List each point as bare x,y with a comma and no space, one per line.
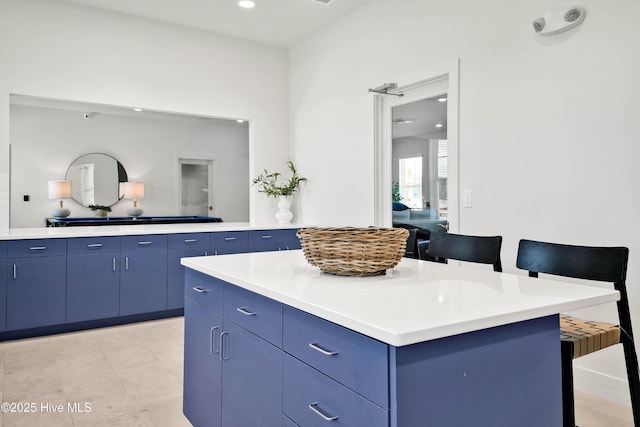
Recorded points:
410,181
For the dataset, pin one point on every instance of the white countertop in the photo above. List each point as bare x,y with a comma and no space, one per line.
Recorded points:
124,230
414,302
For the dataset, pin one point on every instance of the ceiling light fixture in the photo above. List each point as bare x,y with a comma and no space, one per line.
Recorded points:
240,121
137,109
439,125
442,99
400,121
247,4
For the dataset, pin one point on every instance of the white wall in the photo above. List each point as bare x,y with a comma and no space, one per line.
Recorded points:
44,141
548,126
60,50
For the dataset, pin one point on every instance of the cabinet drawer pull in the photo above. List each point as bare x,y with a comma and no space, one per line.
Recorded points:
230,238
15,271
37,248
95,245
222,347
114,264
316,347
126,263
199,290
212,340
146,243
245,311
314,408
190,240
266,236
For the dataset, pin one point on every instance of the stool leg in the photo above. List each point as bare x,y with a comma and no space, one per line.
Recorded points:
631,360
568,409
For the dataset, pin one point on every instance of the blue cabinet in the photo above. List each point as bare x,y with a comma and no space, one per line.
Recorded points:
93,269
273,240
36,283
220,352
182,246
229,242
203,366
143,274
3,286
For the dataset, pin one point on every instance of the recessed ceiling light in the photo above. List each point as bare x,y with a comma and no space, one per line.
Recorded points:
137,109
439,125
442,99
401,121
247,4
240,121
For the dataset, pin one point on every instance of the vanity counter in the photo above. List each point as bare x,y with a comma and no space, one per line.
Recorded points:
414,302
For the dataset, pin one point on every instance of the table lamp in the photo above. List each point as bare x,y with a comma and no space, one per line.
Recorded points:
60,189
133,191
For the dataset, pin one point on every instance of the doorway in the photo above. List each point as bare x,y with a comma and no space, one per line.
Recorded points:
439,157
196,187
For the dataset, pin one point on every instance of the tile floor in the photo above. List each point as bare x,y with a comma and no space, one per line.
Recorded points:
132,376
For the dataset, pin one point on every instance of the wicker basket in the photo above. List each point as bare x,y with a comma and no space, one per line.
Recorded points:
351,251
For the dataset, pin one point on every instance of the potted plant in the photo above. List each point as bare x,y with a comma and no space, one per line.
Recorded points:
100,210
268,184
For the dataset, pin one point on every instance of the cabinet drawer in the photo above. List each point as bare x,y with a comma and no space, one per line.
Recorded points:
223,238
37,247
203,289
147,242
290,239
353,359
311,398
188,240
87,245
261,237
260,315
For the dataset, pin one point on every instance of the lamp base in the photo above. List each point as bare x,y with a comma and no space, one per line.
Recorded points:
134,212
61,213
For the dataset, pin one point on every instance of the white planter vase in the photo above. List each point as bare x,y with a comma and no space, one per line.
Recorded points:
284,214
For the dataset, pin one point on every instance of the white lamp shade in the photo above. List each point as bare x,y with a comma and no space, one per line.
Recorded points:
59,189
132,190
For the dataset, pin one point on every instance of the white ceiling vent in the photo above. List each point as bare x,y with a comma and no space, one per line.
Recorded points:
322,1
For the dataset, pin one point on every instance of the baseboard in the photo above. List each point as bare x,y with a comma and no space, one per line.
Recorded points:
603,386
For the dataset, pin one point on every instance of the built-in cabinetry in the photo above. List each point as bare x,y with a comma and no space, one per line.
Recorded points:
251,360
68,281
222,340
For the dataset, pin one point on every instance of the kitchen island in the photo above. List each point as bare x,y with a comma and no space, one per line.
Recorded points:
270,340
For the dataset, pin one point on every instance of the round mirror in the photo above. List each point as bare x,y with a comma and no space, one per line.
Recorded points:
95,179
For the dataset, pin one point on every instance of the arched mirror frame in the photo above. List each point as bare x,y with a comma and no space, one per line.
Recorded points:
99,188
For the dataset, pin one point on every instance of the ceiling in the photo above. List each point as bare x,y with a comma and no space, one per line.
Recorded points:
425,115
275,22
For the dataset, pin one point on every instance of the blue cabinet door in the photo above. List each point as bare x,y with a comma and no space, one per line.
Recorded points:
92,286
252,378
143,282
202,366
36,292
175,274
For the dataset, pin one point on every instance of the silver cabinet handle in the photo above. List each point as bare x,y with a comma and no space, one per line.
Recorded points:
199,290
314,408
114,264
37,248
266,236
126,263
190,240
144,243
212,341
230,238
316,347
15,270
222,346
245,311
206,253
95,245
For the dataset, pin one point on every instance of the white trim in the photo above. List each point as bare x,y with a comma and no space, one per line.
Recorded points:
383,104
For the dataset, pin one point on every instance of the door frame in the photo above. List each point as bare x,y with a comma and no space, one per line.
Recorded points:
448,78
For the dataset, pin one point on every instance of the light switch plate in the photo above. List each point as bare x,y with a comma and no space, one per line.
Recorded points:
466,198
